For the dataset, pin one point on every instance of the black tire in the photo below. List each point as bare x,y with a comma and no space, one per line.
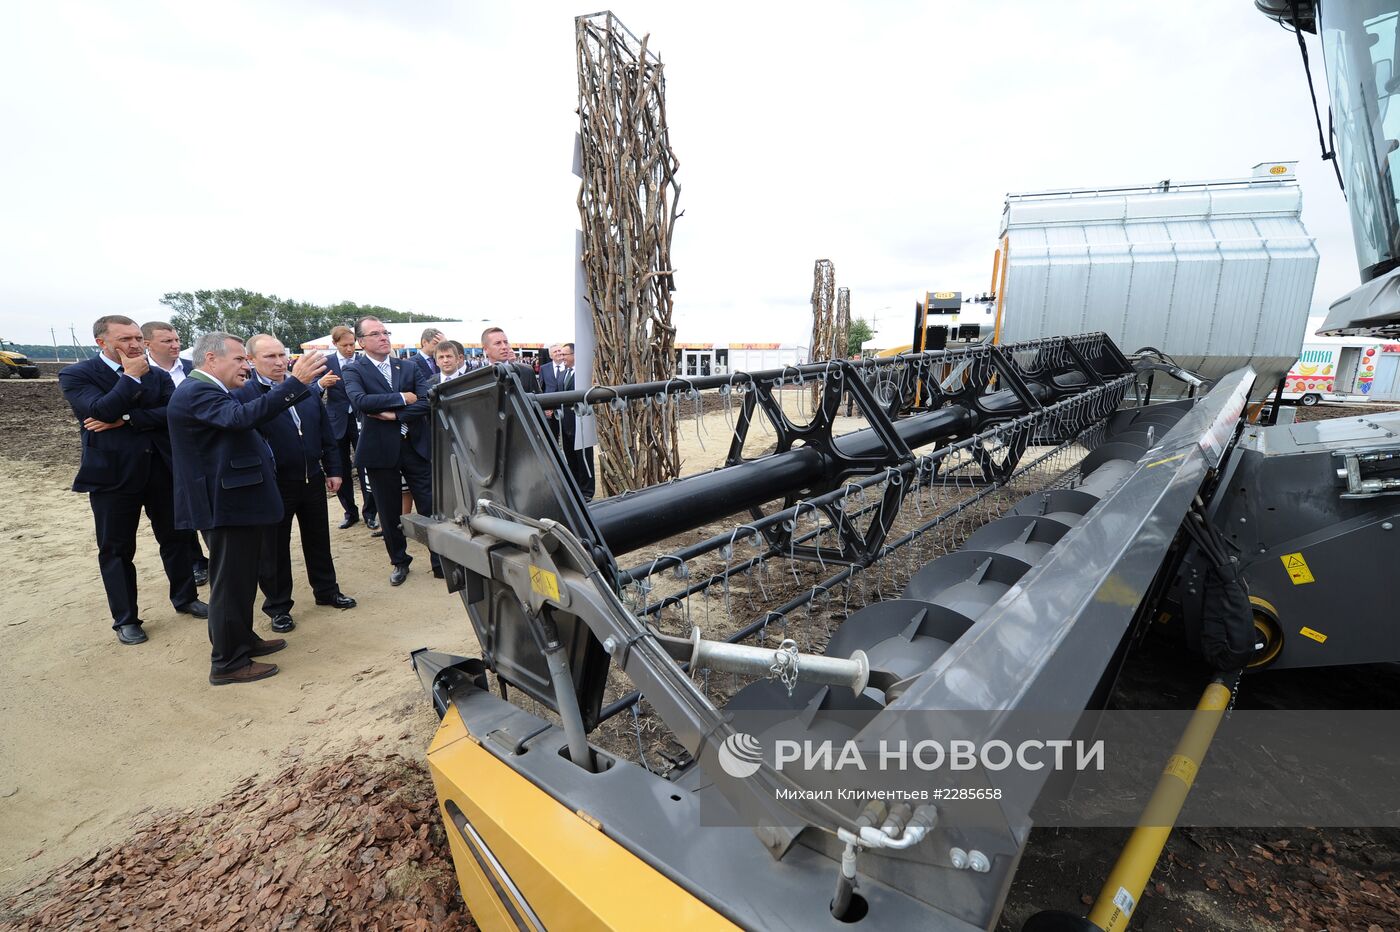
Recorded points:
29,375
6,372
1309,399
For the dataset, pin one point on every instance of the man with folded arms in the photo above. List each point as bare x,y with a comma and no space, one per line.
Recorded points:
120,403
303,449
395,447
226,485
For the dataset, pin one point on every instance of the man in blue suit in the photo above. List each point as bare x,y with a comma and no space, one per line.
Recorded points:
308,466
163,350
394,442
226,486
424,359
120,403
345,428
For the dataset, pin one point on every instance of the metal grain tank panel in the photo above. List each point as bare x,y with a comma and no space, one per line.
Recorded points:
1217,274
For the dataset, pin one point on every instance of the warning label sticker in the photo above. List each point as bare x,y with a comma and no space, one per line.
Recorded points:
544,582
1317,636
1296,568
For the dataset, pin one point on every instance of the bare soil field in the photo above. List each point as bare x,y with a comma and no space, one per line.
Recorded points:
132,794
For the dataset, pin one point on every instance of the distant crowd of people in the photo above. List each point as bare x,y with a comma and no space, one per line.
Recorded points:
238,441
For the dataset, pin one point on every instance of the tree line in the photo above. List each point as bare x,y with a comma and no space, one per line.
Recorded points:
244,312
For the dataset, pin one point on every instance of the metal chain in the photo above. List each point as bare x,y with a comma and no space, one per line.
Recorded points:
784,666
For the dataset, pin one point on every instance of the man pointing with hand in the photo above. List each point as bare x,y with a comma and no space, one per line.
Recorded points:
226,485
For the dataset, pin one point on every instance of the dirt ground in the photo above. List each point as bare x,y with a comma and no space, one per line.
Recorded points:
119,763
95,734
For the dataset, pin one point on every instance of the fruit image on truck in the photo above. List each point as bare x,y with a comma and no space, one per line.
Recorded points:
1334,369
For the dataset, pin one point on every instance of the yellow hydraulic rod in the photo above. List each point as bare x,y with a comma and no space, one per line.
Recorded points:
1123,889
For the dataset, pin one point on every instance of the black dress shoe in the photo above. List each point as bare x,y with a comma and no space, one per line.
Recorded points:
341,600
350,521
196,608
397,577
131,634
282,623
372,522
201,577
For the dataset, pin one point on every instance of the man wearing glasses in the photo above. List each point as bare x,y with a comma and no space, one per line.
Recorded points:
394,446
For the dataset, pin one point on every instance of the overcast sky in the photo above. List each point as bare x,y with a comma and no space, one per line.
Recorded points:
418,155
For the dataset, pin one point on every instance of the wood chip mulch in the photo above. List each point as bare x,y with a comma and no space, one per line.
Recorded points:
354,843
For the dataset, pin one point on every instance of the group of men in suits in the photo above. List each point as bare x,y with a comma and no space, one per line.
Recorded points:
232,454
238,442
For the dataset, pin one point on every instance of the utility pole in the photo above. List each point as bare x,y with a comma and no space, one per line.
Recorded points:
78,352
53,336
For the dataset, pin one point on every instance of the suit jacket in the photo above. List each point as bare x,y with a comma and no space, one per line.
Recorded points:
549,382
224,474
569,420
337,402
380,441
307,454
117,460
427,369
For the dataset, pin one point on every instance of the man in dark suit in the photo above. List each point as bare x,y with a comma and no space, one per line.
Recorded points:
163,350
226,486
580,461
120,403
427,347
394,444
496,348
345,427
551,379
308,466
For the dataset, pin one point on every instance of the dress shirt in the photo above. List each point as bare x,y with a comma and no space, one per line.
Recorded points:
449,376
347,361
177,373
117,367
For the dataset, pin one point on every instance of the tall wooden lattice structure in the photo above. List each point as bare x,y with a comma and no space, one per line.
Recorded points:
627,204
824,311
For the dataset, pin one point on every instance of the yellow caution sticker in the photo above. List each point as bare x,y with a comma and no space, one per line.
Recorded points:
1183,768
1317,636
544,582
1278,170
1297,568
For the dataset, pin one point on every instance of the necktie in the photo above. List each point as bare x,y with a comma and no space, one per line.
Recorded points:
389,377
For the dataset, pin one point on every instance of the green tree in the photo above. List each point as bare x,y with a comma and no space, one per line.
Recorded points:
244,312
858,333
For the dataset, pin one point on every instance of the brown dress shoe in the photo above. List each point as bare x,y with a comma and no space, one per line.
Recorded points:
266,646
253,671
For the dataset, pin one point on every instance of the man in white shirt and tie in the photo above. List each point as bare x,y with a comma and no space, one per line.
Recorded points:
451,359
163,350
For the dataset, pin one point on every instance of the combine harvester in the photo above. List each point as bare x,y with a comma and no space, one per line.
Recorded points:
997,540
